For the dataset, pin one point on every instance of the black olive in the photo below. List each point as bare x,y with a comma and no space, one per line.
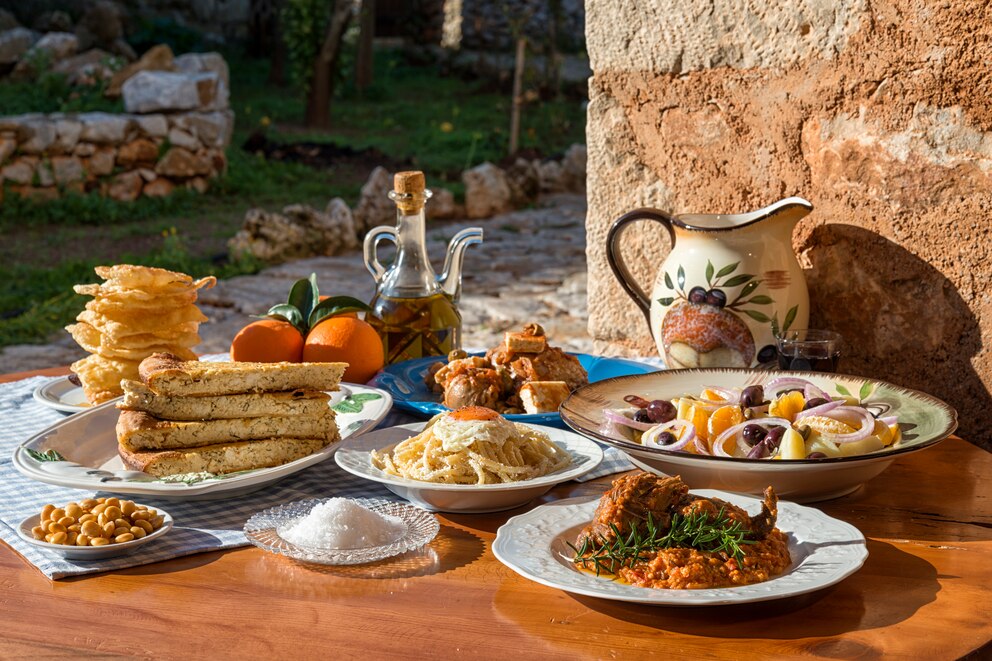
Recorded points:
752,396
661,410
816,455
666,438
774,438
816,401
641,415
768,353
753,434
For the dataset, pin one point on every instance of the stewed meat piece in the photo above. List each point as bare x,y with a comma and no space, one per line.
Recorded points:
470,382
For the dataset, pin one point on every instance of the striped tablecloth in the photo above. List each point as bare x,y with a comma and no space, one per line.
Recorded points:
202,525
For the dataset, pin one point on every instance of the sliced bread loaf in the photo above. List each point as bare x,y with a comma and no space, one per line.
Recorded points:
222,457
167,374
139,397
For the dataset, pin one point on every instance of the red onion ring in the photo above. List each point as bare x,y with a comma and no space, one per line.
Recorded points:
812,392
851,415
890,420
699,443
619,418
650,437
786,383
736,430
818,410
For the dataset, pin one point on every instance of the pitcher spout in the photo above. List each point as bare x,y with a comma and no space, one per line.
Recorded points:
451,278
791,208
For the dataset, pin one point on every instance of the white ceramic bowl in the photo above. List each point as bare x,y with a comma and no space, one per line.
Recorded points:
924,421
354,457
90,552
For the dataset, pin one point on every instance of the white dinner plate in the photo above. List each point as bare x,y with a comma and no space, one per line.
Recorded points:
824,551
91,552
62,395
80,452
355,457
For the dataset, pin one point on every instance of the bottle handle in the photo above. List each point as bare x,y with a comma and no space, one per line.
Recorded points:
615,259
372,239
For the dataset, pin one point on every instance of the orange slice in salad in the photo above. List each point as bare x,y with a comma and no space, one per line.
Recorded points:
821,424
788,405
723,419
699,417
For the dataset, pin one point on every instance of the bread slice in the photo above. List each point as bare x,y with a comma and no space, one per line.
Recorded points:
524,342
222,457
543,396
139,397
166,374
137,430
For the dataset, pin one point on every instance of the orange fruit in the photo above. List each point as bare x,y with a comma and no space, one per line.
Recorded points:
787,406
268,341
723,419
346,340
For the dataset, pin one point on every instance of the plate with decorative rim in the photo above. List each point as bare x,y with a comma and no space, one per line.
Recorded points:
355,457
405,382
824,551
92,552
923,421
263,530
80,452
62,395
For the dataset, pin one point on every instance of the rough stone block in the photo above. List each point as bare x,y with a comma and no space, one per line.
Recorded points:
198,184
67,169
140,151
67,132
57,46
156,58
86,68
154,126
42,135
157,91
160,187
180,138
487,191
84,149
374,206
101,163
104,128
213,129
14,43
204,62
7,147
125,187
179,162
442,204
43,174
21,170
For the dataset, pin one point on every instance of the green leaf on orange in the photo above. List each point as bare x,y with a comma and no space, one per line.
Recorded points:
302,295
288,313
335,305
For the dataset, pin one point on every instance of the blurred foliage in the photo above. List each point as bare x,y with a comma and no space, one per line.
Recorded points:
153,31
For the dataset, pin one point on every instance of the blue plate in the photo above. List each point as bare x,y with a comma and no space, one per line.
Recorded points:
405,382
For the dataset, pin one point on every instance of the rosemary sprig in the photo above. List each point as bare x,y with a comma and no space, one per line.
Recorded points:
695,530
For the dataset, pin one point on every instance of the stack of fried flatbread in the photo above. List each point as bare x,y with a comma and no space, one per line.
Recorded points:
138,311
192,417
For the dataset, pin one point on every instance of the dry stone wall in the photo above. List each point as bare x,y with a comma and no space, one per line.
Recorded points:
174,134
878,113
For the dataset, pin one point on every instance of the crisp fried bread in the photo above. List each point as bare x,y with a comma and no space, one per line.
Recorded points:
139,397
223,457
137,430
166,374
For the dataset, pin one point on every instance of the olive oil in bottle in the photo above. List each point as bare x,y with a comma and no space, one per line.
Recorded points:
413,310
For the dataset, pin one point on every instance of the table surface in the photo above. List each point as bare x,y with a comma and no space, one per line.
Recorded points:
924,592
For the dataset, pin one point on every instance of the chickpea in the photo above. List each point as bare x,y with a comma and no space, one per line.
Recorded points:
98,509
152,513
122,522
99,541
46,512
140,515
87,517
91,529
108,529
48,538
76,527
73,510
112,512
101,501
144,525
55,528
88,504
67,521
83,540
70,538
128,507
124,537
158,521
138,532
120,531
56,514
38,532
59,538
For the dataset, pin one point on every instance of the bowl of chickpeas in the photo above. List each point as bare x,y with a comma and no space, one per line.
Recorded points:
94,528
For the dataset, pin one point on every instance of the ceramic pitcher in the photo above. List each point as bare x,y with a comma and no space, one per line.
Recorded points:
730,284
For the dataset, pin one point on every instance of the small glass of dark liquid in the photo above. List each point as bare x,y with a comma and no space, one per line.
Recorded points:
809,350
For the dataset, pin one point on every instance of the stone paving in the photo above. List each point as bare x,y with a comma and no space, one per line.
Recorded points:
531,266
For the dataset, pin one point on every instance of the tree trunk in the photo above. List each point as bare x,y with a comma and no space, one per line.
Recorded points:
518,85
363,64
318,113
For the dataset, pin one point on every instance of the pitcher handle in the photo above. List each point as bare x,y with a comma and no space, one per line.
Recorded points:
615,259
371,249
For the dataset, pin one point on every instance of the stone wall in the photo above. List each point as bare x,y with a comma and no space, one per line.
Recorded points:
877,113
174,134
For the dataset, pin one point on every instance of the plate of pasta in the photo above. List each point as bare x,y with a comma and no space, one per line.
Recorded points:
471,460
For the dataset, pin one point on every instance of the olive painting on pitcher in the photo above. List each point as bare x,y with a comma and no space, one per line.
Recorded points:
702,325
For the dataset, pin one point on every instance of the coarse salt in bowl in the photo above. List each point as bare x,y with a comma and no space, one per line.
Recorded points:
340,523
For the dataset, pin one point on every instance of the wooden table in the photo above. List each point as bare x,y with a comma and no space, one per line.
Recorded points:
924,592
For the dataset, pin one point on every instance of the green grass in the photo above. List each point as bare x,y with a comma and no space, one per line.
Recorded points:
411,114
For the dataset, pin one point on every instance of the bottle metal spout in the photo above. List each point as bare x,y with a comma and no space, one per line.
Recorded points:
451,278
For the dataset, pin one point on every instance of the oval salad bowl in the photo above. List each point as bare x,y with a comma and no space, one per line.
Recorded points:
922,420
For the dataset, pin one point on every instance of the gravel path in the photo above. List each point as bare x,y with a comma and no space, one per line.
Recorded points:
530,267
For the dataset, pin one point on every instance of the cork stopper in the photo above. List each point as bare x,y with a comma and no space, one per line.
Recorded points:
410,191
411,182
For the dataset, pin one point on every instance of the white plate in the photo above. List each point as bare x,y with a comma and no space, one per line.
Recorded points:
262,530
90,552
62,395
824,551
354,457
82,453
